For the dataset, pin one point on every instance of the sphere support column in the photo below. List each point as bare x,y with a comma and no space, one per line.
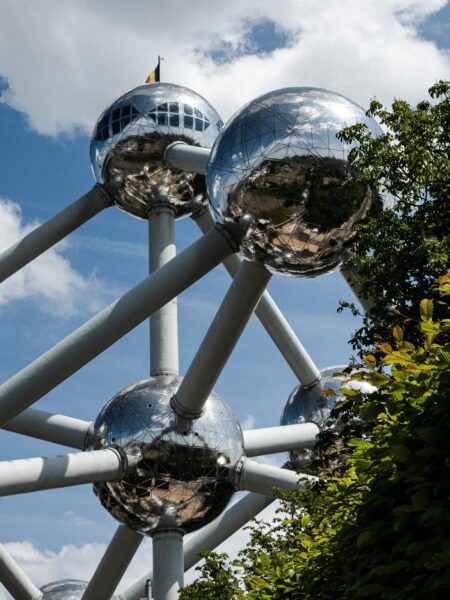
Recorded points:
163,323
168,564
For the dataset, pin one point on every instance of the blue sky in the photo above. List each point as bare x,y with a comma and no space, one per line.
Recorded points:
59,67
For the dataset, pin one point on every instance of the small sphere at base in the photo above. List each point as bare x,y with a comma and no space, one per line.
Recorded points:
67,589
179,469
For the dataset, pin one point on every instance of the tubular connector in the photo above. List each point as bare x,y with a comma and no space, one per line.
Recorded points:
183,412
234,231
104,194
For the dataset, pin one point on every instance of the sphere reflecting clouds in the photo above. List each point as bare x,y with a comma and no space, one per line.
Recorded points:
177,474
67,589
129,140
279,161
312,405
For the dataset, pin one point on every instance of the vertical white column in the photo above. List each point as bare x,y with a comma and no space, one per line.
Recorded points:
168,564
163,323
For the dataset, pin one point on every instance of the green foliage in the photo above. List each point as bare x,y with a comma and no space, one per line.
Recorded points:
377,525
398,252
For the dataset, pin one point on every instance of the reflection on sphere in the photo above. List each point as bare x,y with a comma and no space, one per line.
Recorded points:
279,161
311,405
67,589
178,475
129,140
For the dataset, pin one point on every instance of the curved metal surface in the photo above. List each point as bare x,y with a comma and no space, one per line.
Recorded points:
131,136
67,589
279,161
311,405
178,467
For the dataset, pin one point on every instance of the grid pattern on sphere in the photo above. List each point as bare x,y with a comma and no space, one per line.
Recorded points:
280,161
181,464
131,136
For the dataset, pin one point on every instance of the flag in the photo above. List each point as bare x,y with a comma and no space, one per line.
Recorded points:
154,75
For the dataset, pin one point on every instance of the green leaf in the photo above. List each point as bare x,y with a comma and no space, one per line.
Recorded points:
400,453
426,309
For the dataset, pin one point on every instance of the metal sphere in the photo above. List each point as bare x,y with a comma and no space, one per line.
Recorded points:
67,589
129,140
178,475
311,405
279,161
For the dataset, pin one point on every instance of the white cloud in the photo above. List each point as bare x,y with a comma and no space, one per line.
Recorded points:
50,279
248,422
79,562
66,60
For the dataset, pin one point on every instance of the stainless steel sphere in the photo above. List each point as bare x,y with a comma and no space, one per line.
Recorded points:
67,589
178,475
279,161
311,405
129,140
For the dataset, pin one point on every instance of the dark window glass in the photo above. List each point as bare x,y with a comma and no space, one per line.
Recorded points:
116,114
162,107
175,120
162,119
188,122
197,113
134,112
125,121
115,127
207,124
173,107
152,115
219,125
103,129
187,109
198,125
126,110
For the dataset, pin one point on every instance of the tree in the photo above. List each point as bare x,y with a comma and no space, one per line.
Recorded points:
399,251
377,524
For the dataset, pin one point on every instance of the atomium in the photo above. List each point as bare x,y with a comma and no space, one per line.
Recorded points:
279,167
312,405
178,469
279,160
67,589
131,136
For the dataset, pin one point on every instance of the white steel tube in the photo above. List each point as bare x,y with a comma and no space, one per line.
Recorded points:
168,564
209,537
366,303
261,479
112,323
59,429
15,580
272,319
48,234
113,564
179,155
270,440
163,322
48,472
221,337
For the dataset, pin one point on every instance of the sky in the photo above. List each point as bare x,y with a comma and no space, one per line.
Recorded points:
61,63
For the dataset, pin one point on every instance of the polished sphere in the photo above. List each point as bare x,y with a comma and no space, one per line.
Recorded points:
129,140
311,405
67,589
279,161
178,475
